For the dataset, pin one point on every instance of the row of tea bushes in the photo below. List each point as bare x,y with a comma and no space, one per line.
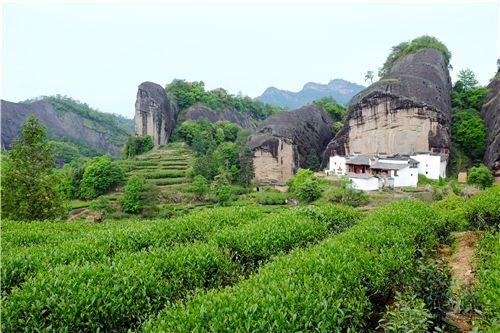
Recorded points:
116,293
332,286
104,240
488,274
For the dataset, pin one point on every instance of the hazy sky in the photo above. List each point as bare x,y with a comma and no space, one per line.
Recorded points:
99,53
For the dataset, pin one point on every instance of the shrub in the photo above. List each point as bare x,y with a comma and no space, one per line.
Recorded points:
332,286
488,257
270,197
200,186
137,145
348,197
480,176
482,211
407,315
102,206
131,201
309,190
100,175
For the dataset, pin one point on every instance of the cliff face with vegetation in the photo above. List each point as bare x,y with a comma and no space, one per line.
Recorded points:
408,110
287,141
155,114
491,116
70,121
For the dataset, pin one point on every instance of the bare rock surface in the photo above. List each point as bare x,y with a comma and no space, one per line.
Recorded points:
155,114
491,116
283,142
406,111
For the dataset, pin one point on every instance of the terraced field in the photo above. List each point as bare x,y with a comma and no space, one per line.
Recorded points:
166,166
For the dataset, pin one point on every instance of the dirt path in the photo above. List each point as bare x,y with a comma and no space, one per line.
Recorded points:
462,271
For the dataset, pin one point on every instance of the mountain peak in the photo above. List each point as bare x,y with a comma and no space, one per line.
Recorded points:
339,89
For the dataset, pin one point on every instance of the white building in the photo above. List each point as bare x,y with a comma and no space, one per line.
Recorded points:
430,165
372,172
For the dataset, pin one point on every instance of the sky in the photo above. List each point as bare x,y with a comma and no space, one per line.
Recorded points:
99,52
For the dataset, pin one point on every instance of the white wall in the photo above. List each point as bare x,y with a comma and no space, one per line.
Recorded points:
337,165
407,177
430,166
365,184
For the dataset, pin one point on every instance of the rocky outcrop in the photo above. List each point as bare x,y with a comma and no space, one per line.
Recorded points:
61,125
407,111
239,118
491,116
155,114
285,141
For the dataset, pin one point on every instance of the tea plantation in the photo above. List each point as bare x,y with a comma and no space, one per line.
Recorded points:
324,268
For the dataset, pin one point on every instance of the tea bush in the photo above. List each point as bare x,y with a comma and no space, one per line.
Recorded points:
332,286
482,211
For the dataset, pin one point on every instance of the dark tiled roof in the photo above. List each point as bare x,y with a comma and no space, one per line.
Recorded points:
359,160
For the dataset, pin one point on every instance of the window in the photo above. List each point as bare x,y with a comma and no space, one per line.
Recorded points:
426,173
395,172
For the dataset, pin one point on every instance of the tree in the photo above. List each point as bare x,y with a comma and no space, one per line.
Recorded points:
469,132
468,78
221,189
100,175
305,185
480,176
247,172
131,201
137,145
200,186
30,189
369,76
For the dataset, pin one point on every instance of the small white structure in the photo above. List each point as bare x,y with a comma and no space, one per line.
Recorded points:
337,166
372,172
364,182
430,165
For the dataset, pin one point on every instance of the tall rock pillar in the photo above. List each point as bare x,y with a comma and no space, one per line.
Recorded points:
155,114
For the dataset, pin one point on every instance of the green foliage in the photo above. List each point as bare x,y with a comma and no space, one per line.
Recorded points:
312,161
200,186
331,286
417,44
30,190
408,314
336,111
102,205
488,274
309,190
482,211
246,173
137,145
480,176
453,208
100,175
221,189
65,152
347,196
469,132
271,197
190,93
305,186
131,202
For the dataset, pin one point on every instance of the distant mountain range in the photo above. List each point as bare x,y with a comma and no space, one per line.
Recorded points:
340,90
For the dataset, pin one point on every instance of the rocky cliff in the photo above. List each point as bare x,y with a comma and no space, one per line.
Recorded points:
408,110
239,118
340,90
491,116
283,142
90,128
155,114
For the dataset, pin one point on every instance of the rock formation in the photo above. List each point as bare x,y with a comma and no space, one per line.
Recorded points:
62,124
491,116
155,114
239,118
407,111
283,142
